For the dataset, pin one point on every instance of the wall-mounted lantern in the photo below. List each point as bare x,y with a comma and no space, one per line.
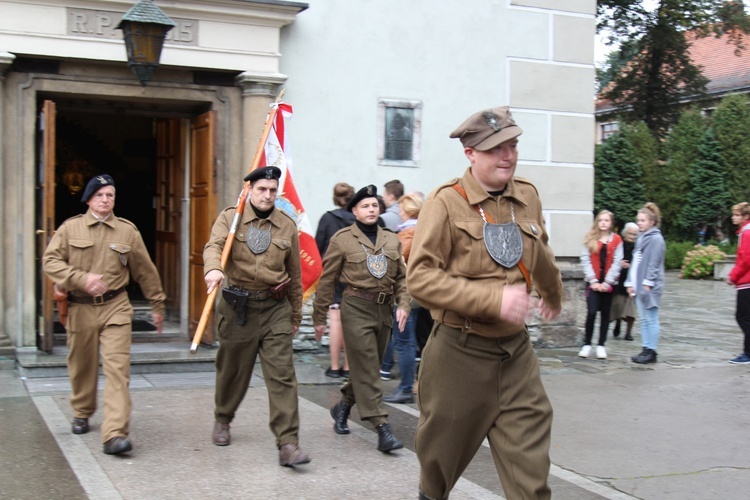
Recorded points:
144,28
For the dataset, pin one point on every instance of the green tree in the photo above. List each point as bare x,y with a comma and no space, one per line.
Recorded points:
617,178
732,124
708,198
670,181
661,74
646,151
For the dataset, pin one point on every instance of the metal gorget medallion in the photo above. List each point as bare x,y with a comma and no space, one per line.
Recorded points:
258,240
376,264
503,241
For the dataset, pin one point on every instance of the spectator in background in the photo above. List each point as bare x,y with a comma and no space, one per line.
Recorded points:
739,276
393,191
329,224
601,259
405,341
646,279
623,305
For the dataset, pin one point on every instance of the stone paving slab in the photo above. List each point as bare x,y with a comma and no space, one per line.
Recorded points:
673,430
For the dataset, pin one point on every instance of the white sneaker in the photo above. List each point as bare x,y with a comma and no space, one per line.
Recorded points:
585,351
601,352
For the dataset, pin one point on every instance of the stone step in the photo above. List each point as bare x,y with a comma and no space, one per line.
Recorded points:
163,357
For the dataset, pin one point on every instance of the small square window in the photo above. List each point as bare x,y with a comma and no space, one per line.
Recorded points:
607,129
399,125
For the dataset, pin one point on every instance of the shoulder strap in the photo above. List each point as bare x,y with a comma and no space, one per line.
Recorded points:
521,265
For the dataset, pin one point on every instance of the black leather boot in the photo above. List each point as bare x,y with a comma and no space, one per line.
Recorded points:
616,331
340,413
386,440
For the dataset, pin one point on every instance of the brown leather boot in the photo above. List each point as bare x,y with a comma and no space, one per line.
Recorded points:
221,436
291,454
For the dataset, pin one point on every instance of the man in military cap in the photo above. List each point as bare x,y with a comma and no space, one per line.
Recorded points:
93,256
479,245
259,312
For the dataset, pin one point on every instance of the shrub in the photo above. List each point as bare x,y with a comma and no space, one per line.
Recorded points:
699,262
676,254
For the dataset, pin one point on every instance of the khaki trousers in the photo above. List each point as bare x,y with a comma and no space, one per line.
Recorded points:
473,387
367,328
106,329
268,333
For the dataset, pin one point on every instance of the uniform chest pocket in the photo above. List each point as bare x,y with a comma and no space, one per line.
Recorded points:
531,232
117,257
470,253
278,252
81,253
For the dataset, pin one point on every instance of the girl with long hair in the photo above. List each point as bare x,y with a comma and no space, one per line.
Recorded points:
601,259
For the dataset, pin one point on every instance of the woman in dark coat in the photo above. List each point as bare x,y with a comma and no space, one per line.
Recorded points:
331,222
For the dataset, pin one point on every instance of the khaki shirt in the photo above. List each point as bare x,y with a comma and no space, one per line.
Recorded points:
346,262
113,248
452,274
263,271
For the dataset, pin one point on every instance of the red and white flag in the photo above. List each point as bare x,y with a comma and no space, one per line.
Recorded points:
277,154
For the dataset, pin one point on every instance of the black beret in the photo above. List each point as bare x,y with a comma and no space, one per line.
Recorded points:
264,173
95,185
366,192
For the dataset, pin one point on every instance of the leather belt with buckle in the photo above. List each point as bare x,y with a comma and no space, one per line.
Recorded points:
96,300
259,295
379,297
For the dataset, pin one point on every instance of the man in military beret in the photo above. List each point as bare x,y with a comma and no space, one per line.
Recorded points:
259,312
368,261
93,256
479,245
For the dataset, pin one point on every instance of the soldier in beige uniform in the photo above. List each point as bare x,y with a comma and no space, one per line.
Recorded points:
259,312
93,256
479,246
367,260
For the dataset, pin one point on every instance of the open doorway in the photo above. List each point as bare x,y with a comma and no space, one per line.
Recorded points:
162,161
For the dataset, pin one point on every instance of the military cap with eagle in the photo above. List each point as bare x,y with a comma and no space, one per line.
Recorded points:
369,191
95,184
487,129
264,173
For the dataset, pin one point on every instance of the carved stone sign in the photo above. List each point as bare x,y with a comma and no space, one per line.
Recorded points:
101,24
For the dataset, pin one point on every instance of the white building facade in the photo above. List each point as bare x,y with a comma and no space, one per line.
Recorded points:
178,148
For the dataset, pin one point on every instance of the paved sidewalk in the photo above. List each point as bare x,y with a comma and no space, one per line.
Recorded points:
674,430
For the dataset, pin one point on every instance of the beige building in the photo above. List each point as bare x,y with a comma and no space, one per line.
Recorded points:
178,148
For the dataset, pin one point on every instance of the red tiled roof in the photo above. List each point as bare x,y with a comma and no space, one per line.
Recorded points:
720,65
716,57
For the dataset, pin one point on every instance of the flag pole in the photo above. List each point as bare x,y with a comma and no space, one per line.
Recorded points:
239,208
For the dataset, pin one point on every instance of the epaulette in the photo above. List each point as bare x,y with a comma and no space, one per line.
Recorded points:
72,218
290,217
126,221
443,186
524,180
388,229
341,231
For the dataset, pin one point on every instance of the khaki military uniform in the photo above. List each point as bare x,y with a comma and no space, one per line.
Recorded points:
366,320
479,376
269,327
113,248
